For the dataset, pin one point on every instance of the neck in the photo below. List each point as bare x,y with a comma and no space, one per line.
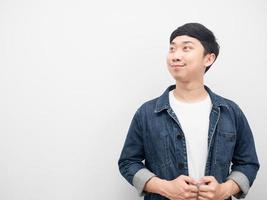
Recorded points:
190,91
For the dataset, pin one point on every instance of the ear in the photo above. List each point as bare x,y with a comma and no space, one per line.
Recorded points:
209,59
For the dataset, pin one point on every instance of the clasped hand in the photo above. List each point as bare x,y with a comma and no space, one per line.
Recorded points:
185,187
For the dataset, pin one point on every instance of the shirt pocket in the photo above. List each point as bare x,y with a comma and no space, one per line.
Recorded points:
159,148
225,147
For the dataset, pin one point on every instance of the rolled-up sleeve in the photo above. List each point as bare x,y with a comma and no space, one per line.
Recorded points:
132,155
140,179
245,164
242,181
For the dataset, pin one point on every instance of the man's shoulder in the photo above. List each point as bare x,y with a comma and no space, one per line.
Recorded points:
158,103
149,105
228,103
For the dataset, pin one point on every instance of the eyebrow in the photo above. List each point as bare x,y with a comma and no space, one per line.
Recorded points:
184,42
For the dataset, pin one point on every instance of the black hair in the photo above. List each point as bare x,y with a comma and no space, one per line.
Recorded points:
200,32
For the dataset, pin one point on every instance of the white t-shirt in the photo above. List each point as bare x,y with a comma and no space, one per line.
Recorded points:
194,120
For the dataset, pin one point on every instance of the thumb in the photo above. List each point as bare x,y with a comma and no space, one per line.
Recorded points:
190,180
206,179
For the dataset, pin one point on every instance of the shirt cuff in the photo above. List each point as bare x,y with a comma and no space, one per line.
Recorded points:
140,178
242,181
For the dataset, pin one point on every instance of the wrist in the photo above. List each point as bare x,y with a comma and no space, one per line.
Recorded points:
226,189
230,187
163,187
234,187
155,185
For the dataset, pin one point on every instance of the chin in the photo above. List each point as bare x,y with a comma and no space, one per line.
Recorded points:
180,78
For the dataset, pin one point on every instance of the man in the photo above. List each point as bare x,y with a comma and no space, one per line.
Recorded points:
194,143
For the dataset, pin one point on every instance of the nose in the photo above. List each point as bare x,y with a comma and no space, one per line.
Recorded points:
176,60
177,57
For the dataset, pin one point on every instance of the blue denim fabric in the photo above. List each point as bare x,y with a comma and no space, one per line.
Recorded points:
156,141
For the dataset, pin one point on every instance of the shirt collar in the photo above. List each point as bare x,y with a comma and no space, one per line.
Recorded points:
163,102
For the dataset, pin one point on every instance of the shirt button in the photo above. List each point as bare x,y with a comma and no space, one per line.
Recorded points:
180,165
179,137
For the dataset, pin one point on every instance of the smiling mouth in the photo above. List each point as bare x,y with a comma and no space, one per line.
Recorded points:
176,66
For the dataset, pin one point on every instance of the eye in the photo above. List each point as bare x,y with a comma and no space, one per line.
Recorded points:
187,48
171,49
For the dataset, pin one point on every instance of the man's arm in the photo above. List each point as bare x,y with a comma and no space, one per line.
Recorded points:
210,189
242,181
183,187
231,187
245,164
140,179
132,155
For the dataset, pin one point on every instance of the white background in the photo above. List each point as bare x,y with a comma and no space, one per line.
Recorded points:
72,74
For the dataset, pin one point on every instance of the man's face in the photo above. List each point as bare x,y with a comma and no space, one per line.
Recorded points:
186,60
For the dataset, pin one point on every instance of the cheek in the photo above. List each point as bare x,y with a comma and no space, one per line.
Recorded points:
168,59
195,59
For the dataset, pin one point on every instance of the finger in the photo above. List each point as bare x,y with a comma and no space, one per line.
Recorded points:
191,195
193,188
205,195
207,179
201,198
194,198
190,180
204,188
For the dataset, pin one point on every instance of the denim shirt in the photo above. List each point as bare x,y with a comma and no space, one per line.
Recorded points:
155,143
